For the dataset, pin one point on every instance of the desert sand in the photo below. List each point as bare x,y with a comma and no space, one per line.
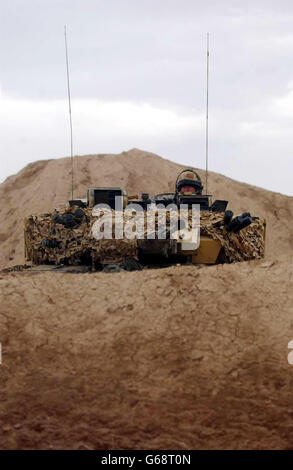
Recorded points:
176,358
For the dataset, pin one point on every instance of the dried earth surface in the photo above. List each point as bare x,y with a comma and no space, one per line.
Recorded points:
176,358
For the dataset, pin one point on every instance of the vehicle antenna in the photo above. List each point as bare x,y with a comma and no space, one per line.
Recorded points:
69,108
207,112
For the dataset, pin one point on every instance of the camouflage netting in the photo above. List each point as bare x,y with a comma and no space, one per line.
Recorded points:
245,245
48,241
69,237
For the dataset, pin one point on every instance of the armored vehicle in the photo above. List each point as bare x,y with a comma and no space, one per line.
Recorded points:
109,230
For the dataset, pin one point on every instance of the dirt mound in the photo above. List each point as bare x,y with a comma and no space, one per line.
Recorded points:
176,358
41,186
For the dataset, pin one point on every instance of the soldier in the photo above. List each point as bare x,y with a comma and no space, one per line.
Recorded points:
189,183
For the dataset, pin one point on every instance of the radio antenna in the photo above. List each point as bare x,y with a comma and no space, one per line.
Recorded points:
69,108
207,111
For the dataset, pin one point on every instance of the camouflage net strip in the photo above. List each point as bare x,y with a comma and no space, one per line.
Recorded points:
245,245
74,245
49,242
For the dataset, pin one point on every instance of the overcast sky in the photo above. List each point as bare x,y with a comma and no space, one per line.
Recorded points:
138,74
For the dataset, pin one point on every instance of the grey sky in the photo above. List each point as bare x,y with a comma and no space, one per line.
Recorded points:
138,80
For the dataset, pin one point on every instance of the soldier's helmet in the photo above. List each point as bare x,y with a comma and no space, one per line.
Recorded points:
189,182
